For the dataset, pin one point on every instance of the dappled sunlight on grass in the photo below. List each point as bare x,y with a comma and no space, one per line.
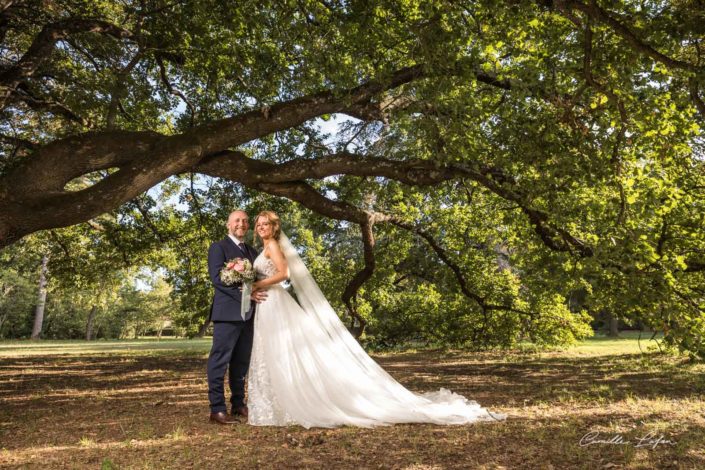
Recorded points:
147,408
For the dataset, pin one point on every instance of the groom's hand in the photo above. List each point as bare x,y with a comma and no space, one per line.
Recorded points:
259,296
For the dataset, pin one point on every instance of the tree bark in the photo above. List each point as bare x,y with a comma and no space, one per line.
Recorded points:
202,330
41,299
90,323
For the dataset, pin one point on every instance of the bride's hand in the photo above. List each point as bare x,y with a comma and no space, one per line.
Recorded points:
258,296
256,285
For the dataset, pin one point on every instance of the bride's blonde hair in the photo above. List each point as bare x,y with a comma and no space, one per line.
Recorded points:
273,219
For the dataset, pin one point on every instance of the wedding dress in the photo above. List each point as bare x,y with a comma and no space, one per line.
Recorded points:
307,369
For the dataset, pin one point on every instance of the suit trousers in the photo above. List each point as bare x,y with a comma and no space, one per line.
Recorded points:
231,350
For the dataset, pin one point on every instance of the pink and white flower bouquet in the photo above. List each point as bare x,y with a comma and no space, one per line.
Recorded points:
236,271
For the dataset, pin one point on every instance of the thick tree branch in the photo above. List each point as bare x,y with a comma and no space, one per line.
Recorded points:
146,158
235,165
287,180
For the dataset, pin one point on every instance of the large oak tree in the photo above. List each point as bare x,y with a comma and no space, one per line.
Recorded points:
576,122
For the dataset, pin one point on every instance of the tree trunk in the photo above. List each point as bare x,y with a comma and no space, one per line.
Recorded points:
41,299
90,323
202,330
614,326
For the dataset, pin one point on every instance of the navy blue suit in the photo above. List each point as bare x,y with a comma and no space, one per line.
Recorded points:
232,336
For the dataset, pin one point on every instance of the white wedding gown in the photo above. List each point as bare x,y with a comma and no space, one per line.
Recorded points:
307,369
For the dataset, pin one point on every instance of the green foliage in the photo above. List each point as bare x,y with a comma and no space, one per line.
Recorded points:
17,297
607,149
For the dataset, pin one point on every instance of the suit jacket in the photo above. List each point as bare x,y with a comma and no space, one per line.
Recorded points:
227,299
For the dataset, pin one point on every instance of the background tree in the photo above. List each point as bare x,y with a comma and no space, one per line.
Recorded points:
41,299
16,299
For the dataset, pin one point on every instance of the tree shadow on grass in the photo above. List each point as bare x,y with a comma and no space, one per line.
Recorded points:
519,443
615,377
80,409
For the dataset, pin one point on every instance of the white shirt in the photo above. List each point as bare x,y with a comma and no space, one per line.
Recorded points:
235,239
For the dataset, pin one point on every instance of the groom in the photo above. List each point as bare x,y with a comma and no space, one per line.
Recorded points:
232,334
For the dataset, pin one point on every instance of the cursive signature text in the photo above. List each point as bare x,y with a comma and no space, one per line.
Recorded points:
650,440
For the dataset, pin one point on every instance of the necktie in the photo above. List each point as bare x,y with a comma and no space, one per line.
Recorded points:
244,250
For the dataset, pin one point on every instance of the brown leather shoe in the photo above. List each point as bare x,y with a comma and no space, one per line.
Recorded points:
221,417
240,411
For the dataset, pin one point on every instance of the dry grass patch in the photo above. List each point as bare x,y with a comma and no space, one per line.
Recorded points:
147,408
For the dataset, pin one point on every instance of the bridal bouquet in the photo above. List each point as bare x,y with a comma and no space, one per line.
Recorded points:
239,270
236,271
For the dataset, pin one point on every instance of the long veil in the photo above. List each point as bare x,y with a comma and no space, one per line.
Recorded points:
315,304
340,354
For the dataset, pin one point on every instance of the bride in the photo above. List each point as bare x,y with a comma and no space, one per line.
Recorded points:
307,369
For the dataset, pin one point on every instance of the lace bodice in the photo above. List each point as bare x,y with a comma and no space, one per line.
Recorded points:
264,267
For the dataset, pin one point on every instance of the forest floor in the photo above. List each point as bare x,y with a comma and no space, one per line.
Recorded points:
142,404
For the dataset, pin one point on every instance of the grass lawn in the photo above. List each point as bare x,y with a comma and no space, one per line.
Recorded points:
143,404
